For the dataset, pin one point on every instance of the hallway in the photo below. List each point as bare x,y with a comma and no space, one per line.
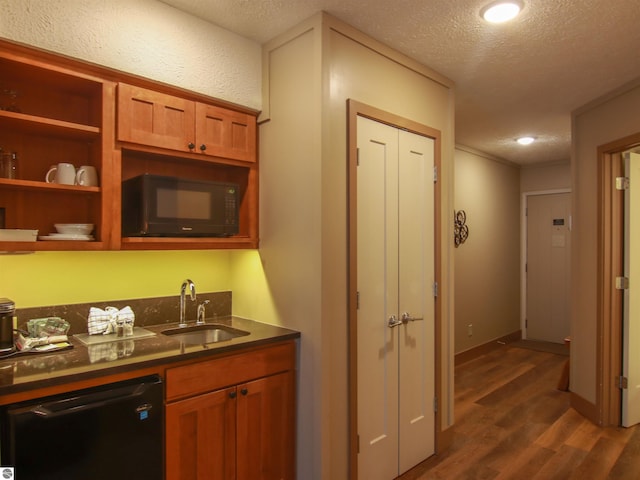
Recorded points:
512,423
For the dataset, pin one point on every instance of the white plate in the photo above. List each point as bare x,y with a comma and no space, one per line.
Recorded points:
63,236
79,235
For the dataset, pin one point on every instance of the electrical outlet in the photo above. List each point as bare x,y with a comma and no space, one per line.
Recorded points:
470,330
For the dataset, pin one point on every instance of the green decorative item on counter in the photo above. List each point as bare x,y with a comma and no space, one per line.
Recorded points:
47,327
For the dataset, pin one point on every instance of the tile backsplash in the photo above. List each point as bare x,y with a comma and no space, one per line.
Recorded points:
148,311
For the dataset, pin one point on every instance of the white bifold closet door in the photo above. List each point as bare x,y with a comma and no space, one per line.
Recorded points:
395,319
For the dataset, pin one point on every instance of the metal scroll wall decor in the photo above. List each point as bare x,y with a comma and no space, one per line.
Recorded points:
460,229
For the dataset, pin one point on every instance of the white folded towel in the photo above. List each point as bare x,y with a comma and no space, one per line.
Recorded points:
104,321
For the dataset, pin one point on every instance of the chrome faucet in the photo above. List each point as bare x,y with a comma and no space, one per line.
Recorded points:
192,289
201,312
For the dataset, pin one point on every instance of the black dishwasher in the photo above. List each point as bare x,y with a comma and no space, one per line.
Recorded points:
107,432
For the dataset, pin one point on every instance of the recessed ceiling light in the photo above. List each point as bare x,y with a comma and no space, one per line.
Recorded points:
525,140
501,11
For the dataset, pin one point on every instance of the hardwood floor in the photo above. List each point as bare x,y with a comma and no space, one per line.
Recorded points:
512,423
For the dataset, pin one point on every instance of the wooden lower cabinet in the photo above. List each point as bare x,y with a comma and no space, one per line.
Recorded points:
245,431
265,428
201,437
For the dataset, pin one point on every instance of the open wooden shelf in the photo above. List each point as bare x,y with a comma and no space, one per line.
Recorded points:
58,110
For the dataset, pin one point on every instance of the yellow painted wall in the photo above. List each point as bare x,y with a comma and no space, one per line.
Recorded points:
252,295
58,278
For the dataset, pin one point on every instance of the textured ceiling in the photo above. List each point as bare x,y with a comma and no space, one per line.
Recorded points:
513,79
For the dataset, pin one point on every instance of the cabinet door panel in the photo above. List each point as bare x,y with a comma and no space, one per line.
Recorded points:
266,428
155,119
201,437
225,133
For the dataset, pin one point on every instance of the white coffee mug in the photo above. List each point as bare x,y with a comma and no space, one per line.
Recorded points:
62,173
87,175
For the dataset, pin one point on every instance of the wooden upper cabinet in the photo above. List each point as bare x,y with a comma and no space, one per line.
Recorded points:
153,118
183,136
58,110
225,133
165,121
54,113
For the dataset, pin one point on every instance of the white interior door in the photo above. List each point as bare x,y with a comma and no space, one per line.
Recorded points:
631,321
378,299
548,267
416,300
395,276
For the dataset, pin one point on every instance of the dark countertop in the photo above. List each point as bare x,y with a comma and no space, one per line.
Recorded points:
29,371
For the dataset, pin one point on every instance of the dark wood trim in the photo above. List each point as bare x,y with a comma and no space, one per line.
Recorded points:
584,407
355,109
485,348
27,395
445,439
609,348
352,159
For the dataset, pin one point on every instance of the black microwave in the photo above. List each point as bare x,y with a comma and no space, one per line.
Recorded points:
159,206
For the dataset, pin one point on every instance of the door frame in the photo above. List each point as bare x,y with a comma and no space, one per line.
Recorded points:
524,251
610,265
355,109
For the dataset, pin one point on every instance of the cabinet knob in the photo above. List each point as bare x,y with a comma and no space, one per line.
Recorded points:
203,147
191,145
232,394
244,391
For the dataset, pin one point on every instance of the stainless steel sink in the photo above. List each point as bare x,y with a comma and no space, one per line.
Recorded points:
203,334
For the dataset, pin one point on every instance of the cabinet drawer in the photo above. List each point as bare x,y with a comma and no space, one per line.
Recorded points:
221,372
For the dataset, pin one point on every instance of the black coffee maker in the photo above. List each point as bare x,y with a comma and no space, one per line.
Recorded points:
7,310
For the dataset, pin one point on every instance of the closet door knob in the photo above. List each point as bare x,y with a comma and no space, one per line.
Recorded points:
232,394
191,145
244,391
406,318
203,147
